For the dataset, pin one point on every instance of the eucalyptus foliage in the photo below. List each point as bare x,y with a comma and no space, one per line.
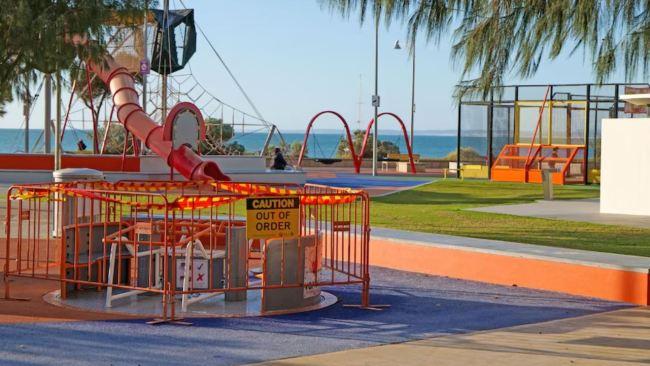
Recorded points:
35,36
384,147
217,138
495,38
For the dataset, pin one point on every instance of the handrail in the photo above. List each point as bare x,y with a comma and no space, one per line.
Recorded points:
537,127
570,159
538,151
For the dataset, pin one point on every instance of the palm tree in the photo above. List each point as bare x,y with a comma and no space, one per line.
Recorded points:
493,39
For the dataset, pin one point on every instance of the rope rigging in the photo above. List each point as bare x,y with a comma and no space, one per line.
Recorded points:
316,144
182,86
241,89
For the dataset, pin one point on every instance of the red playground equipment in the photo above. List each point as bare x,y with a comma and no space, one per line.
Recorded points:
129,112
406,138
358,158
556,142
357,164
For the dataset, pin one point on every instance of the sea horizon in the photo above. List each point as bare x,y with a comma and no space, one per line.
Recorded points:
320,144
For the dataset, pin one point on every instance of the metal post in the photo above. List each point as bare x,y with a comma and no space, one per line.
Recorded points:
94,114
596,135
550,122
144,75
57,126
144,52
547,184
267,141
568,120
460,104
508,125
515,126
375,101
490,131
413,95
586,172
47,130
616,101
163,96
26,109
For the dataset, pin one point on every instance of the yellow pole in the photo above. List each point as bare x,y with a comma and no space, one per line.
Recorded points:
549,139
516,137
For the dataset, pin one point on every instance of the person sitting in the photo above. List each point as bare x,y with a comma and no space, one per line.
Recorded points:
81,145
278,160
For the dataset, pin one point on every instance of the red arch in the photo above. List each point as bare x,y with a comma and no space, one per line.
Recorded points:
355,161
406,139
168,126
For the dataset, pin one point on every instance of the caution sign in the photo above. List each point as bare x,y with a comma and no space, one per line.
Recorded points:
272,217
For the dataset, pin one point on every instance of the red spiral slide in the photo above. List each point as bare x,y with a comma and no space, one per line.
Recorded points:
130,114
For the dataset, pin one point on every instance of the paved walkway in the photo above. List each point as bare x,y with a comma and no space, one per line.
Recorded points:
36,333
616,338
587,210
375,186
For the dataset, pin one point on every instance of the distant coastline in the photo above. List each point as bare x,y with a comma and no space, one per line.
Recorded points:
428,143
391,132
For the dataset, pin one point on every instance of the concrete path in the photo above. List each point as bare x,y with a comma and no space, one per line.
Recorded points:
375,186
615,338
423,307
587,210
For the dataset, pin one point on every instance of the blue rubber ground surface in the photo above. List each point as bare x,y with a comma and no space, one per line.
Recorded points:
364,181
422,306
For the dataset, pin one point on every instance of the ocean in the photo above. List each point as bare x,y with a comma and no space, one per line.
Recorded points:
321,145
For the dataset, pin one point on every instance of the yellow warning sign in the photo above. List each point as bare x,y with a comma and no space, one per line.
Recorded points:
272,217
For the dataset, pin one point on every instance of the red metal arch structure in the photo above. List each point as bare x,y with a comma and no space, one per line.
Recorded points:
406,139
355,160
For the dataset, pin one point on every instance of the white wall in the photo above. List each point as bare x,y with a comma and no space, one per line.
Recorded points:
228,164
625,166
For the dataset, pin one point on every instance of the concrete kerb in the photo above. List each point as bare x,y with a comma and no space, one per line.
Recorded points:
577,272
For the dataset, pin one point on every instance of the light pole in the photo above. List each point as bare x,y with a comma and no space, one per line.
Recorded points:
57,127
47,123
166,64
398,47
375,99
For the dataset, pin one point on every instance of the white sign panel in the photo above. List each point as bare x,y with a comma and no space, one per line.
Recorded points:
199,273
313,268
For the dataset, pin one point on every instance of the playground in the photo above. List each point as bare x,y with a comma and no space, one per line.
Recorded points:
431,308
528,244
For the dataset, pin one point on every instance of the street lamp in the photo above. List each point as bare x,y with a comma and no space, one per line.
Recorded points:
398,47
375,99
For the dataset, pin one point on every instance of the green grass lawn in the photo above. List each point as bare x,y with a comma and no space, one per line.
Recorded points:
439,208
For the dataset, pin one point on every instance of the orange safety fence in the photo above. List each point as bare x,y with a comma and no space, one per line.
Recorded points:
125,238
243,189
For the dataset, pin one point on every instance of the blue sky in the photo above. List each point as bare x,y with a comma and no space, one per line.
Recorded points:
295,59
